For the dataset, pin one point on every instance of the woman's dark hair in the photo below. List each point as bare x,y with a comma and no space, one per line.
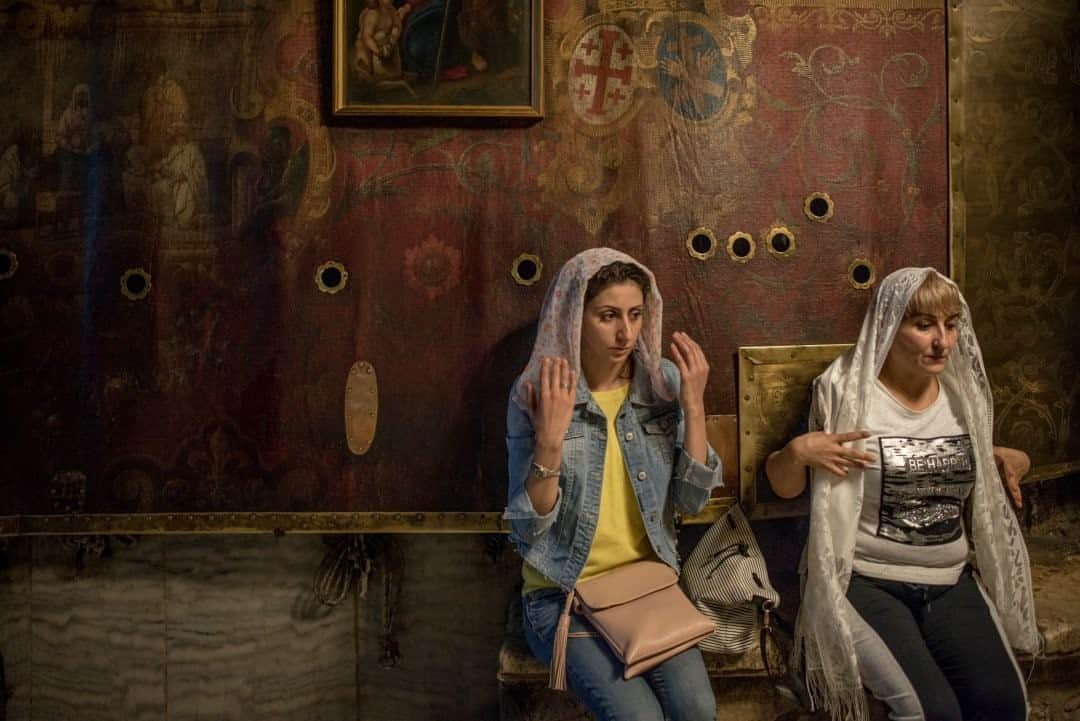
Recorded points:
617,272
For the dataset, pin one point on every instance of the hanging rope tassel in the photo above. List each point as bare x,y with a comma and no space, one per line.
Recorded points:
557,675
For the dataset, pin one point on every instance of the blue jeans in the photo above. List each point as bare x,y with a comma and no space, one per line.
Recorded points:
677,690
934,653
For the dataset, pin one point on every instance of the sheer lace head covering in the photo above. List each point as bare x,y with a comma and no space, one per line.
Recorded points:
558,332
840,405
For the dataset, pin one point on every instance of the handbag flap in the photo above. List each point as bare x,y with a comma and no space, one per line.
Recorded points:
626,583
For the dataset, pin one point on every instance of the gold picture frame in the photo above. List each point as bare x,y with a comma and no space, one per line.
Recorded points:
443,59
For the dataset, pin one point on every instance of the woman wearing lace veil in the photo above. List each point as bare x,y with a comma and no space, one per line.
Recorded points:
916,577
579,505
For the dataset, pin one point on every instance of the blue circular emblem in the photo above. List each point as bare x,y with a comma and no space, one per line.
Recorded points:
692,71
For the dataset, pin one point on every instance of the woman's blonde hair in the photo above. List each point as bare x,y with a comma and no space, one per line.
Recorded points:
935,296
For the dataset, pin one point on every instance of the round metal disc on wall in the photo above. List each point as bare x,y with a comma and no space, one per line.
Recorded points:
135,283
740,247
780,241
861,274
818,207
526,269
701,243
331,277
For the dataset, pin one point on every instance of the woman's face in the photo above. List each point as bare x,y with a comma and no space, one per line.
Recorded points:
923,343
611,322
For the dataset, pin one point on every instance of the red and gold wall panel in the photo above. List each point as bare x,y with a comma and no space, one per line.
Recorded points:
171,346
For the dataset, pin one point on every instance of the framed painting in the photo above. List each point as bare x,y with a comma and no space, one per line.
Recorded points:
438,58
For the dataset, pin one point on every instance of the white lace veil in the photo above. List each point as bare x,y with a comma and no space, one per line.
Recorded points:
558,332
840,405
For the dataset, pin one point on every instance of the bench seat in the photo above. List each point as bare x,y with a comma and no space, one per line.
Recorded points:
744,691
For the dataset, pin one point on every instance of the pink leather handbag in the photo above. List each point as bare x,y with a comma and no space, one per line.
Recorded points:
642,613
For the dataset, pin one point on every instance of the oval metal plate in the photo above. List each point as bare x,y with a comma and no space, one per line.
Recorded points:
361,407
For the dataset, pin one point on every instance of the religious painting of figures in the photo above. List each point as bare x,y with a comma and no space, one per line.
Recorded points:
453,58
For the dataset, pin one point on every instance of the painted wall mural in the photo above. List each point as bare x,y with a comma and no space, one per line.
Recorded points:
1021,216
197,253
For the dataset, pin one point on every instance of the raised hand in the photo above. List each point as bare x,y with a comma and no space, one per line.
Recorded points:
552,404
693,370
827,451
694,374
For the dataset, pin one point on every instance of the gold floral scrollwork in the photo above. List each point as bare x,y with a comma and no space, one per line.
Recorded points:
780,241
701,243
135,283
9,263
361,406
740,247
526,269
861,274
331,277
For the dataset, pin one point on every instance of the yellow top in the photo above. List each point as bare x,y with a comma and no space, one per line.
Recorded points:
620,534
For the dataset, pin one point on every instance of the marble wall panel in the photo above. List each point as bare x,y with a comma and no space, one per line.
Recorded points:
246,638
449,623
97,634
15,626
227,627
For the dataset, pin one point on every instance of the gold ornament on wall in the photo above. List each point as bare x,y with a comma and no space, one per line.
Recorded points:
701,243
331,277
135,283
526,269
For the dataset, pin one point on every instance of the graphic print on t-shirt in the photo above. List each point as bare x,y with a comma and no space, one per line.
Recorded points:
924,482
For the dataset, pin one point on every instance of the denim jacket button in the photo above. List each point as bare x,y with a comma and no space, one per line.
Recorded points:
642,475
629,436
652,518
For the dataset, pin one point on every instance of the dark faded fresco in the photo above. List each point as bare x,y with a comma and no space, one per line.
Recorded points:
171,183
439,53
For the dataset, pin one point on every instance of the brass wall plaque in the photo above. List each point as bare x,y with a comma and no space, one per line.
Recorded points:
361,406
774,395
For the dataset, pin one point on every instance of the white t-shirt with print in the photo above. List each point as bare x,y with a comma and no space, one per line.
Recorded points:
911,527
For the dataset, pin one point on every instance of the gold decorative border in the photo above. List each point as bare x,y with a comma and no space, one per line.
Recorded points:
883,5
137,524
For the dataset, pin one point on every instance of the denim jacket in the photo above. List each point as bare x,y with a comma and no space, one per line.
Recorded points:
665,479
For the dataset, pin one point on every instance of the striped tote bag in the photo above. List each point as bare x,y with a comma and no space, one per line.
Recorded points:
726,579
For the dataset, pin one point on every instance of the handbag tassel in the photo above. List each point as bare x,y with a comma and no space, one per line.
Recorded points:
557,676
